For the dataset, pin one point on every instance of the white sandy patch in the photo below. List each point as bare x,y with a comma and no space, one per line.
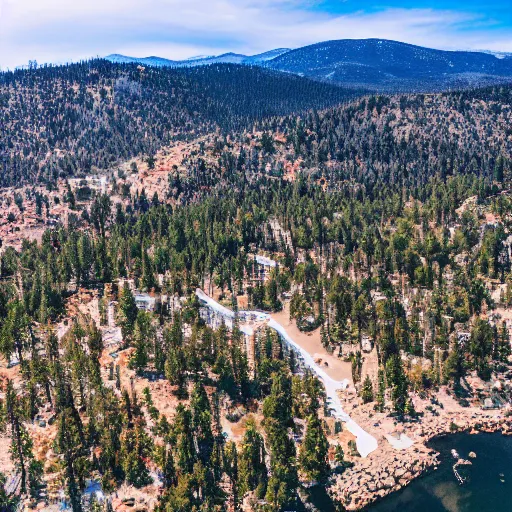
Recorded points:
402,443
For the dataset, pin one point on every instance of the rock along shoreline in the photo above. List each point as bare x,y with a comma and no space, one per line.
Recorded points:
381,474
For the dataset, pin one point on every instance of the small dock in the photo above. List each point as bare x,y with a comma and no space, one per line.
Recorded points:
460,462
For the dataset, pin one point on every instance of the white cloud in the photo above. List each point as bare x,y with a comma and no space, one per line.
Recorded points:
61,30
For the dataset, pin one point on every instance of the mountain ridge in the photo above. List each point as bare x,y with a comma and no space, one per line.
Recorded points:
391,65
376,64
225,58
120,110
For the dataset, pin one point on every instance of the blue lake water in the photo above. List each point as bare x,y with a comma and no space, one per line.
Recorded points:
488,486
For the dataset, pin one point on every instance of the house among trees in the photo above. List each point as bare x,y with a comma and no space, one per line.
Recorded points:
145,302
463,337
262,267
96,183
366,343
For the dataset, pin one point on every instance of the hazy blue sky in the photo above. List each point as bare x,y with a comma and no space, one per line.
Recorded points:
63,30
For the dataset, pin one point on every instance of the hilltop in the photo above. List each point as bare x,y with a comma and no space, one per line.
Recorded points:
393,66
65,119
225,58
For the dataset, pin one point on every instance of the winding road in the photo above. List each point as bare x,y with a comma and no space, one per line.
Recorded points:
365,442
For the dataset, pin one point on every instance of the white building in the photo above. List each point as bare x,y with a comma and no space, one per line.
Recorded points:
145,302
265,262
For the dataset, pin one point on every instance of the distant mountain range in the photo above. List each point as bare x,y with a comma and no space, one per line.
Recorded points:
390,65
375,64
226,58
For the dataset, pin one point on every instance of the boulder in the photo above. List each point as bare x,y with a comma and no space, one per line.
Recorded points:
388,483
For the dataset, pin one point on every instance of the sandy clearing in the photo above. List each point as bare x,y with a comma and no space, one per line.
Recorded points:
310,342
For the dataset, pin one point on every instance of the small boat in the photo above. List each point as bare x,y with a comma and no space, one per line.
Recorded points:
455,454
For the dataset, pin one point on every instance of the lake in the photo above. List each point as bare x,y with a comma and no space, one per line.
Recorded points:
488,486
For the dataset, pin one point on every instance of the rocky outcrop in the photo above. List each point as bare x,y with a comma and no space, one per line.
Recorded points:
384,472
379,475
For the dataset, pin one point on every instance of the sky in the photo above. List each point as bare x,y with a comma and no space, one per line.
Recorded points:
59,31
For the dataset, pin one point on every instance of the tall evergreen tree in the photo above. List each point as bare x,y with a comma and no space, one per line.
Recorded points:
128,311
313,451
252,467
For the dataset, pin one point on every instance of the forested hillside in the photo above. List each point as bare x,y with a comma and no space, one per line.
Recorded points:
162,394
60,121
405,139
375,234
400,141
56,121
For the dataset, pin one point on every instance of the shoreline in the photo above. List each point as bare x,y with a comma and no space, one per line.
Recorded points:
363,485
384,467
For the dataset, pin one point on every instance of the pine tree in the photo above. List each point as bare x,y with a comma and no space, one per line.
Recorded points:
43,313
168,469
409,408
367,391
100,213
85,255
381,392
135,448
339,455
141,334
148,276
69,445
14,333
201,422
324,337
504,350
185,448
398,383
252,467
21,443
480,346
278,405
174,369
118,377
454,368
231,469
110,444
128,311
313,451
277,414
95,341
